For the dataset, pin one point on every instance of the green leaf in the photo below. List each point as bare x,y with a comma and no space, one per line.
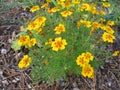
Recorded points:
54,2
95,64
15,45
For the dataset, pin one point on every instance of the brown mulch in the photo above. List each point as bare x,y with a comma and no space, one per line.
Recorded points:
12,78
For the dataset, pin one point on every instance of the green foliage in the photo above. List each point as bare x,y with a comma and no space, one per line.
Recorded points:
15,45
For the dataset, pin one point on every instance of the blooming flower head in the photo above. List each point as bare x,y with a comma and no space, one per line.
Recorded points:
84,59
32,42
23,40
58,44
60,28
48,1
49,42
81,61
110,23
88,56
106,4
66,4
55,9
45,5
40,21
88,71
76,2
66,13
102,12
32,26
85,6
108,29
95,25
108,37
86,23
93,9
34,8
116,53
24,62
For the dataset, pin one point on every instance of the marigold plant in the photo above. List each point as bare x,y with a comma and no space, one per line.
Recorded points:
64,37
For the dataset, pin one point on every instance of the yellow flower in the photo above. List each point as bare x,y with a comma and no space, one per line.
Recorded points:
32,42
95,25
86,23
116,53
108,29
88,56
88,71
66,13
110,23
106,4
102,12
24,62
60,2
49,42
45,5
81,61
23,40
60,28
84,59
55,9
66,4
35,8
93,9
85,6
76,2
108,37
48,1
32,26
102,20
40,21
58,44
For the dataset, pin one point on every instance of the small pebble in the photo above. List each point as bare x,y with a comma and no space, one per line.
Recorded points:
109,84
5,82
10,40
74,84
14,81
1,72
3,51
17,79
76,88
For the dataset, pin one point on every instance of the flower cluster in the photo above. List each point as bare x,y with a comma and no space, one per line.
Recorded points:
83,61
26,41
37,24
